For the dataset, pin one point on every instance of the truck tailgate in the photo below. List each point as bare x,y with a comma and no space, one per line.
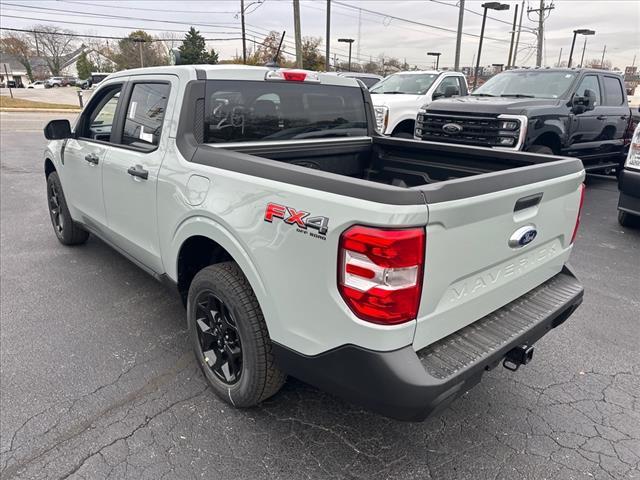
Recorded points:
472,270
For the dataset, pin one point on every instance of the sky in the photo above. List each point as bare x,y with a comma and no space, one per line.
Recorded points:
405,29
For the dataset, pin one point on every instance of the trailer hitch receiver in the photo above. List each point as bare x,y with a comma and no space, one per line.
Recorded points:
520,355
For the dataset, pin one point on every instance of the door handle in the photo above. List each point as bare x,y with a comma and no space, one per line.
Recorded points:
623,117
601,117
139,172
92,158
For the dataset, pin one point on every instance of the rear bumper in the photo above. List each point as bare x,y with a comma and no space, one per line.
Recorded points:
629,186
408,385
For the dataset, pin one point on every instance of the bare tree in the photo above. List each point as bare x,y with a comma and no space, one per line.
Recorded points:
170,40
55,46
19,46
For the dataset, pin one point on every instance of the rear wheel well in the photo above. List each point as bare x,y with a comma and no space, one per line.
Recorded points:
550,140
49,168
196,253
405,126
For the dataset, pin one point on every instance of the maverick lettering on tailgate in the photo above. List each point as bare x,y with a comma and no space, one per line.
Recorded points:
299,218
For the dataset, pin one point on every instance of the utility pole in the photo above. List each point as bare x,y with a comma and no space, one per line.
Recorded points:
298,35
244,36
604,50
513,33
140,51
515,50
559,58
456,63
584,47
541,18
326,56
35,36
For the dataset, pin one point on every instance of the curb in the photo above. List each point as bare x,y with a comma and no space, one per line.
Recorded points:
41,110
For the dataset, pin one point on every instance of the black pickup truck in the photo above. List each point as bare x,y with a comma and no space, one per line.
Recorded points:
571,112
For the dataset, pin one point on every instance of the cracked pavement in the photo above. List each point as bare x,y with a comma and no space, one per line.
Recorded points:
98,380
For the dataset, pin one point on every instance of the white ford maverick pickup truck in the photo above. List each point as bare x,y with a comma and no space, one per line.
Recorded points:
391,272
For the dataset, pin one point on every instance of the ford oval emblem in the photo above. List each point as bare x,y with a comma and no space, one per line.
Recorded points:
523,236
451,128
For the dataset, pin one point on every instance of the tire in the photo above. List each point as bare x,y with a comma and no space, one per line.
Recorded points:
542,149
67,231
223,315
625,219
55,85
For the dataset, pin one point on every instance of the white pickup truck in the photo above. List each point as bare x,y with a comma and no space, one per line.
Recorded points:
398,97
392,272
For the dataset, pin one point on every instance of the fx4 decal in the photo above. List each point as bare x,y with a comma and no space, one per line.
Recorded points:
299,218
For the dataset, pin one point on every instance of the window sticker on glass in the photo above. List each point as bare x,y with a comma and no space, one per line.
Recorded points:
144,136
132,109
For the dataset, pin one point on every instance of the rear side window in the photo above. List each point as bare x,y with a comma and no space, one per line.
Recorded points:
271,111
613,95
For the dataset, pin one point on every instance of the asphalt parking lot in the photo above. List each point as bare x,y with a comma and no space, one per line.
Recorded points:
98,380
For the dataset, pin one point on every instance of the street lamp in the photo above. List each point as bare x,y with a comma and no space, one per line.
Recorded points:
582,31
486,6
350,42
437,55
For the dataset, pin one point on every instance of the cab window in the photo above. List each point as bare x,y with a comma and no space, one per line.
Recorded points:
97,122
590,82
145,115
613,95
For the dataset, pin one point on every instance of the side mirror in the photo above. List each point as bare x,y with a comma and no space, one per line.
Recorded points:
585,103
451,91
57,130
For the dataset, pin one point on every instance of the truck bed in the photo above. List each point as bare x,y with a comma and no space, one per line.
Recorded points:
439,171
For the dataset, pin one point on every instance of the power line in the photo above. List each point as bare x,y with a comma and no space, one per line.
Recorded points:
119,17
150,9
480,14
415,22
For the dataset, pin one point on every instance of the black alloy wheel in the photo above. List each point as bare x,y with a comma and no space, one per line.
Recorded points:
219,339
55,208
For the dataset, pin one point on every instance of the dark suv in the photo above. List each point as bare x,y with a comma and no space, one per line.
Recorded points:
572,112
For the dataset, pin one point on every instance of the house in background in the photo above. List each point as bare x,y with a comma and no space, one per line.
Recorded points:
12,69
101,61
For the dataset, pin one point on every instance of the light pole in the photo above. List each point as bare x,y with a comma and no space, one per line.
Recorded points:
485,6
437,55
350,42
582,31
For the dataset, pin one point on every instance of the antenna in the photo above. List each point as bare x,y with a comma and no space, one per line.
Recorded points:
274,61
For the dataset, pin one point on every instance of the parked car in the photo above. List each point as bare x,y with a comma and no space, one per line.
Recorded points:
392,272
94,79
54,82
369,79
398,97
571,112
629,185
11,84
36,84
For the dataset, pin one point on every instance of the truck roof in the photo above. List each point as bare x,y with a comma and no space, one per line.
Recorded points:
568,70
233,72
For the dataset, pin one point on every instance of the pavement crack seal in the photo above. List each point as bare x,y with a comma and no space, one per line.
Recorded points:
150,386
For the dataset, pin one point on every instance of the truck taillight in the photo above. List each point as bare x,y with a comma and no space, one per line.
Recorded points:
575,229
380,272
292,75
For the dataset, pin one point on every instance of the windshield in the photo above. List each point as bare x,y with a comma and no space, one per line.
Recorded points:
534,84
405,83
262,111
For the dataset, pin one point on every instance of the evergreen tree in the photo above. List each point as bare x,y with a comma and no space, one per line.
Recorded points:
84,66
194,50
